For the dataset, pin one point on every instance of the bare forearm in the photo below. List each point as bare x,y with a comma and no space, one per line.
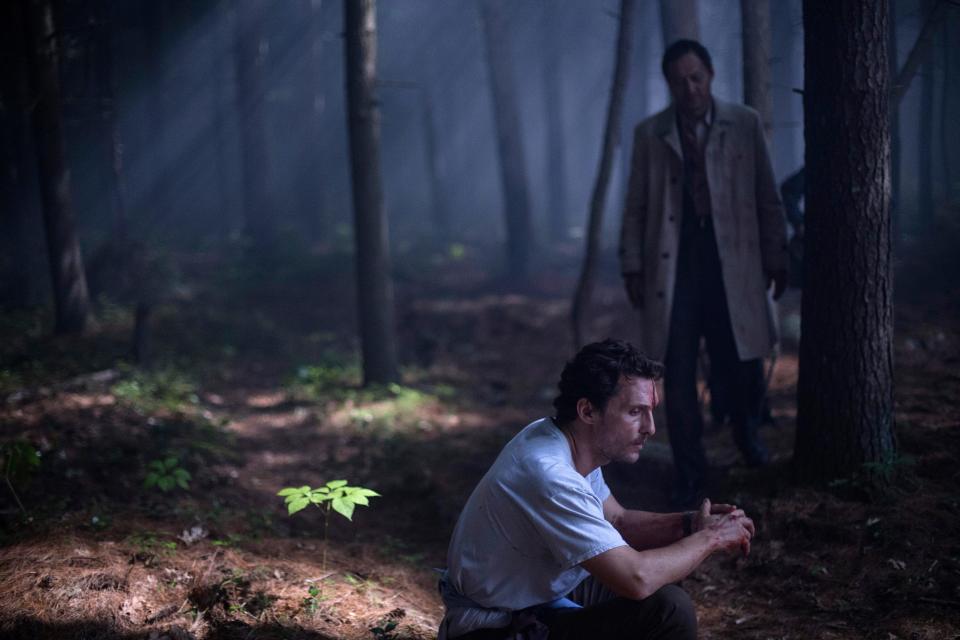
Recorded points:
647,530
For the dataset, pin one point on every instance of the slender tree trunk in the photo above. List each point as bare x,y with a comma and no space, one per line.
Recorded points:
220,36
66,263
936,14
556,222
251,92
310,183
755,16
16,176
634,100
374,287
845,392
513,175
441,221
925,139
679,19
109,126
892,54
951,109
156,28
611,134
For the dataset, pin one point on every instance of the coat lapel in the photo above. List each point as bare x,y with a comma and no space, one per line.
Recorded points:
667,130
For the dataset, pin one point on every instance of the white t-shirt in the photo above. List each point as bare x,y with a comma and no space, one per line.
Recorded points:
529,524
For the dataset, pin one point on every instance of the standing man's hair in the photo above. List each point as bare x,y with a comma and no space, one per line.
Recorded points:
595,372
681,48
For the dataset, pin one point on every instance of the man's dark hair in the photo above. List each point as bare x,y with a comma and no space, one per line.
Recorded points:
595,372
681,48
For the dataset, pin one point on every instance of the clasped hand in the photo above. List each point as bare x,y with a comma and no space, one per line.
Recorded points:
731,525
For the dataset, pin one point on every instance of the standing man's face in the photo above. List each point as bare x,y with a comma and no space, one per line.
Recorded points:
689,81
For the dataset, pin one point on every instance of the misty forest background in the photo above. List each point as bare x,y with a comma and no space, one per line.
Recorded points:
249,244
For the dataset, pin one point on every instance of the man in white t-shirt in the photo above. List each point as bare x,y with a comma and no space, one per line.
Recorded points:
543,549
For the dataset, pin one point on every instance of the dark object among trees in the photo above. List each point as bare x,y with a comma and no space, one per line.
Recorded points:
755,16
374,287
71,299
845,390
513,173
611,133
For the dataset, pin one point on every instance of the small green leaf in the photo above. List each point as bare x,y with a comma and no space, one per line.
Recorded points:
297,505
359,500
336,484
181,474
170,462
182,483
165,483
151,480
289,491
361,491
343,507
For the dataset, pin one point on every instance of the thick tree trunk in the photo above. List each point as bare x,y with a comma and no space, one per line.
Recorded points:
66,263
755,17
556,219
513,174
16,176
251,92
679,19
374,287
894,129
581,300
845,391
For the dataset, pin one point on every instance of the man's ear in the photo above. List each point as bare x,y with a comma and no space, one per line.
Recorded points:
586,411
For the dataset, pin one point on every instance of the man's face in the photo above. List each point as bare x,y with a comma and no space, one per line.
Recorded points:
627,422
689,81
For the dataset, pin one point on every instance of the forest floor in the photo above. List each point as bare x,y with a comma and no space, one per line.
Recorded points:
255,387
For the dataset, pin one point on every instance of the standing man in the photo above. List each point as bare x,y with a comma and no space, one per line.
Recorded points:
543,548
703,240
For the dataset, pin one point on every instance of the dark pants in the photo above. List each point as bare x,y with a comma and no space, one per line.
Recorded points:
666,615
700,309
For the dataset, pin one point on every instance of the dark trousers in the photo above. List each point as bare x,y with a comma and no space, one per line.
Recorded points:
666,615
700,309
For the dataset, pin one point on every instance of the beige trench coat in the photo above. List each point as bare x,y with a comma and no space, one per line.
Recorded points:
748,221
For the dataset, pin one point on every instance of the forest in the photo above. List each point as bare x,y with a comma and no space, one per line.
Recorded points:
280,278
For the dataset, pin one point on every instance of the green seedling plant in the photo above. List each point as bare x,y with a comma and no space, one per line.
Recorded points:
333,496
166,474
20,459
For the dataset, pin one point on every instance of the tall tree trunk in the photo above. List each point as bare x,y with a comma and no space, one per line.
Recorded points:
438,209
951,109
679,19
845,392
634,100
935,16
156,32
109,126
251,93
16,176
71,300
556,219
313,105
374,287
220,44
893,56
513,174
581,300
925,139
755,16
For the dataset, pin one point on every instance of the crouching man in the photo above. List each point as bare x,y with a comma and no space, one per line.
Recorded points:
542,549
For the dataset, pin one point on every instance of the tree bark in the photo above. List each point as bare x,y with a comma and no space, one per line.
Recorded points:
441,221
251,91
951,109
109,127
845,391
313,105
581,300
513,175
893,56
71,300
679,19
755,16
374,287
